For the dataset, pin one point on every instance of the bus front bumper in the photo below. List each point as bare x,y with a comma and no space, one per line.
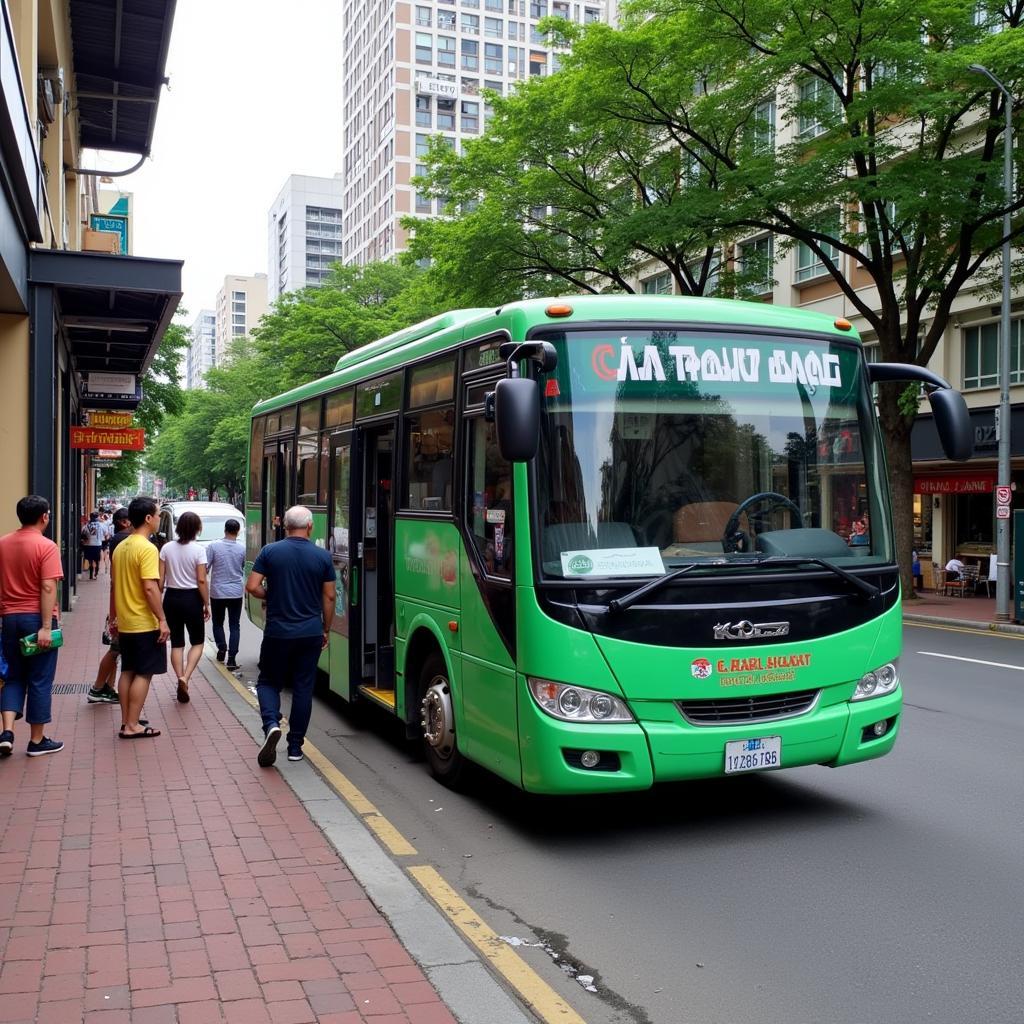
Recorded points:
663,747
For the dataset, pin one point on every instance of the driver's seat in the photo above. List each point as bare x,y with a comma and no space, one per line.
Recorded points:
702,523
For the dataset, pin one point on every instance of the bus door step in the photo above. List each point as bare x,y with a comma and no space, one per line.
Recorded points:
379,695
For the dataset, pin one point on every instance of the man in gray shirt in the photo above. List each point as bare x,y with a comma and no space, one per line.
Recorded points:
224,562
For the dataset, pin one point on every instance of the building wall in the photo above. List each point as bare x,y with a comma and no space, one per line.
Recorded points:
415,69
303,233
202,349
14,439
240,304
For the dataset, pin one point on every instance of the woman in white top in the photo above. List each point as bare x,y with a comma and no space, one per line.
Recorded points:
186,597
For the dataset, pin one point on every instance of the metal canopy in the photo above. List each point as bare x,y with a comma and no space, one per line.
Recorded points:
113,310
120,55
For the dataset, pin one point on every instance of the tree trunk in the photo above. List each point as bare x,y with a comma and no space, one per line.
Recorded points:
896,427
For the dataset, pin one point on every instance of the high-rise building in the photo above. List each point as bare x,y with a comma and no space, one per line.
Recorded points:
202,349
416,70
304,233
240,304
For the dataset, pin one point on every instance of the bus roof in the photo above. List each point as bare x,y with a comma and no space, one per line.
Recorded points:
439,332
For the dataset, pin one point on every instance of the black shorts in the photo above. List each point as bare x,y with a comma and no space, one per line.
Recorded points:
141,654
92,553
184,611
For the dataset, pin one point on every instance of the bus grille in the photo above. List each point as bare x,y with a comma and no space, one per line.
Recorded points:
747,709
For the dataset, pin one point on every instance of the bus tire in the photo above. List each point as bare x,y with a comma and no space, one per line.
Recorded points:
437,723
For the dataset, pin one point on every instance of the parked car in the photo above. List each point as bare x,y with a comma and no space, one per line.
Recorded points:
212,513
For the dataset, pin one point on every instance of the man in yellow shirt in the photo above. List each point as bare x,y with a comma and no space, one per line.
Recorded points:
137,617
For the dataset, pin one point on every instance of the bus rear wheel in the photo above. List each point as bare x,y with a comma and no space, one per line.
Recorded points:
437,720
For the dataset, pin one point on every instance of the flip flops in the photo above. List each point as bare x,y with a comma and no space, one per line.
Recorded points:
147,734
183,697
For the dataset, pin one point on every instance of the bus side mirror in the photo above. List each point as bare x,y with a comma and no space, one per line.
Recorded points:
517,418
953,423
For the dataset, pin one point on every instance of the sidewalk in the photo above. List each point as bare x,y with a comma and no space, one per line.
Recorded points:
975,612
172,881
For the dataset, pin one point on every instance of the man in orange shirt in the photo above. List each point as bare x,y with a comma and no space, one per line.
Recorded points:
29,570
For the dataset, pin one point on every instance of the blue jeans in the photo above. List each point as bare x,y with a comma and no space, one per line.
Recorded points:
285,660
233,606
28,679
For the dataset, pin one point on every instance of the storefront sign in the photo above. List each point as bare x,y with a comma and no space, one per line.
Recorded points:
955,483
437,87
111,390
109,453
110,420
95,437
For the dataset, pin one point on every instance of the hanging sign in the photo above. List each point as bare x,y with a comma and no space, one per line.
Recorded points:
111,390
110,420
95,437
955,483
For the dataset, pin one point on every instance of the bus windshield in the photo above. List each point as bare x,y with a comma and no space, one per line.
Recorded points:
666,447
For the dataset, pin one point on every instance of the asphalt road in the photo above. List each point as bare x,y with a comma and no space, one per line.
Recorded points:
886,891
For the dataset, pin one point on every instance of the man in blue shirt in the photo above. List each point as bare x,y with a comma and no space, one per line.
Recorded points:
296,580
224,562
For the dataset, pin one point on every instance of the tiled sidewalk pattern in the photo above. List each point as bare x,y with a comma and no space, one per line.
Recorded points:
172,881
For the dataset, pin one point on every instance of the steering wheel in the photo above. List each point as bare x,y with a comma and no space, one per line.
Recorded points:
735,539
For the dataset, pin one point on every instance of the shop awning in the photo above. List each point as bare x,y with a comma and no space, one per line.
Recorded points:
119,50
113,310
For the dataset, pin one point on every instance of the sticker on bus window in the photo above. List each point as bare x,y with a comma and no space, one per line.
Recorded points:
613,562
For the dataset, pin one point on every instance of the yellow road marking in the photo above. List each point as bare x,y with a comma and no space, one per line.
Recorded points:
966,629
532,988
344,787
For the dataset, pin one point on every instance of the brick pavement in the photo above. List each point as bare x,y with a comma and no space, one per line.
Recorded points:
172,881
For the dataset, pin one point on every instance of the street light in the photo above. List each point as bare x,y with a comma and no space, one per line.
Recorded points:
1003,525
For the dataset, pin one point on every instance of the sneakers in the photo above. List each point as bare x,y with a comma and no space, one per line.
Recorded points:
220,653
104,695
232,665
6,743
268,752
295,753
44,746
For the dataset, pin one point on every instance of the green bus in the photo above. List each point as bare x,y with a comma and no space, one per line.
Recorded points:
598,542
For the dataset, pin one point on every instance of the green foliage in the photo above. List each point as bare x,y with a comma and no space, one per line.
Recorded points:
301,338
162,396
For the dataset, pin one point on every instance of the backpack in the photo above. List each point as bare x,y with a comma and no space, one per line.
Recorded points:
83,537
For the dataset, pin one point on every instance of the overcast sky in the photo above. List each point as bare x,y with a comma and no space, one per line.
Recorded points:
254,95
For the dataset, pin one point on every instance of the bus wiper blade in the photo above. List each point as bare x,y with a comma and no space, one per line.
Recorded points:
619,603
783,560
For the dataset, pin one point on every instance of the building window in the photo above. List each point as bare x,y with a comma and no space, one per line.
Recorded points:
471,24
423,112
818,105
538,63
422,145
981,355
238,295
988,17
446,51
470,116
470,55
423,16
660,284
590,15
493,57
493,28
764,126
538,8
446,115
757,260
809,264
424,48
446,21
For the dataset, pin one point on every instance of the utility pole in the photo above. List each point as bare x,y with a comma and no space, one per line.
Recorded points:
1003,473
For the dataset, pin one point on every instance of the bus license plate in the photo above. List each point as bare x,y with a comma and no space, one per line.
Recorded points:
753,755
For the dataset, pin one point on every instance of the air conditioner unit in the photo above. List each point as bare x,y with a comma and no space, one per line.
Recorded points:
47,104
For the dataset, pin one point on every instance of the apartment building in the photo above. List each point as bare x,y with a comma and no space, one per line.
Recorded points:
202,349
954,503
303,233
417,69
241,302
79,323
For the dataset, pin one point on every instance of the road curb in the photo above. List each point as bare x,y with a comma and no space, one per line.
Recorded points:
990,627
460,976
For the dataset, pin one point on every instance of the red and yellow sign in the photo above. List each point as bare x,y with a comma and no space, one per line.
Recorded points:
96,437
110,420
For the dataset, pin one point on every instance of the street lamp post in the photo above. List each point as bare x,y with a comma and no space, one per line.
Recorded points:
1003,525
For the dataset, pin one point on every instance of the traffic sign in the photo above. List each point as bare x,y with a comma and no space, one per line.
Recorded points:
1004,495
1002,511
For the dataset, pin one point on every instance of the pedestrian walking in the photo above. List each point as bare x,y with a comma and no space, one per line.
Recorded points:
186,597
108,533
93,533
296,580
225,561
29,570
103,691
137,616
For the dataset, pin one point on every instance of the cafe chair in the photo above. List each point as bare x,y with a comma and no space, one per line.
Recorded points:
938,578
967,584
991,577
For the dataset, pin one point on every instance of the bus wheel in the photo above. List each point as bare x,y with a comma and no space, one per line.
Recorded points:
437,720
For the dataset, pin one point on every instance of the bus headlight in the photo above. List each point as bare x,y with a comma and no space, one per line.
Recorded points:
576,703
879,682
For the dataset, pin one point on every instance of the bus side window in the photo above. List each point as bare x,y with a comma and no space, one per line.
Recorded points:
489,481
